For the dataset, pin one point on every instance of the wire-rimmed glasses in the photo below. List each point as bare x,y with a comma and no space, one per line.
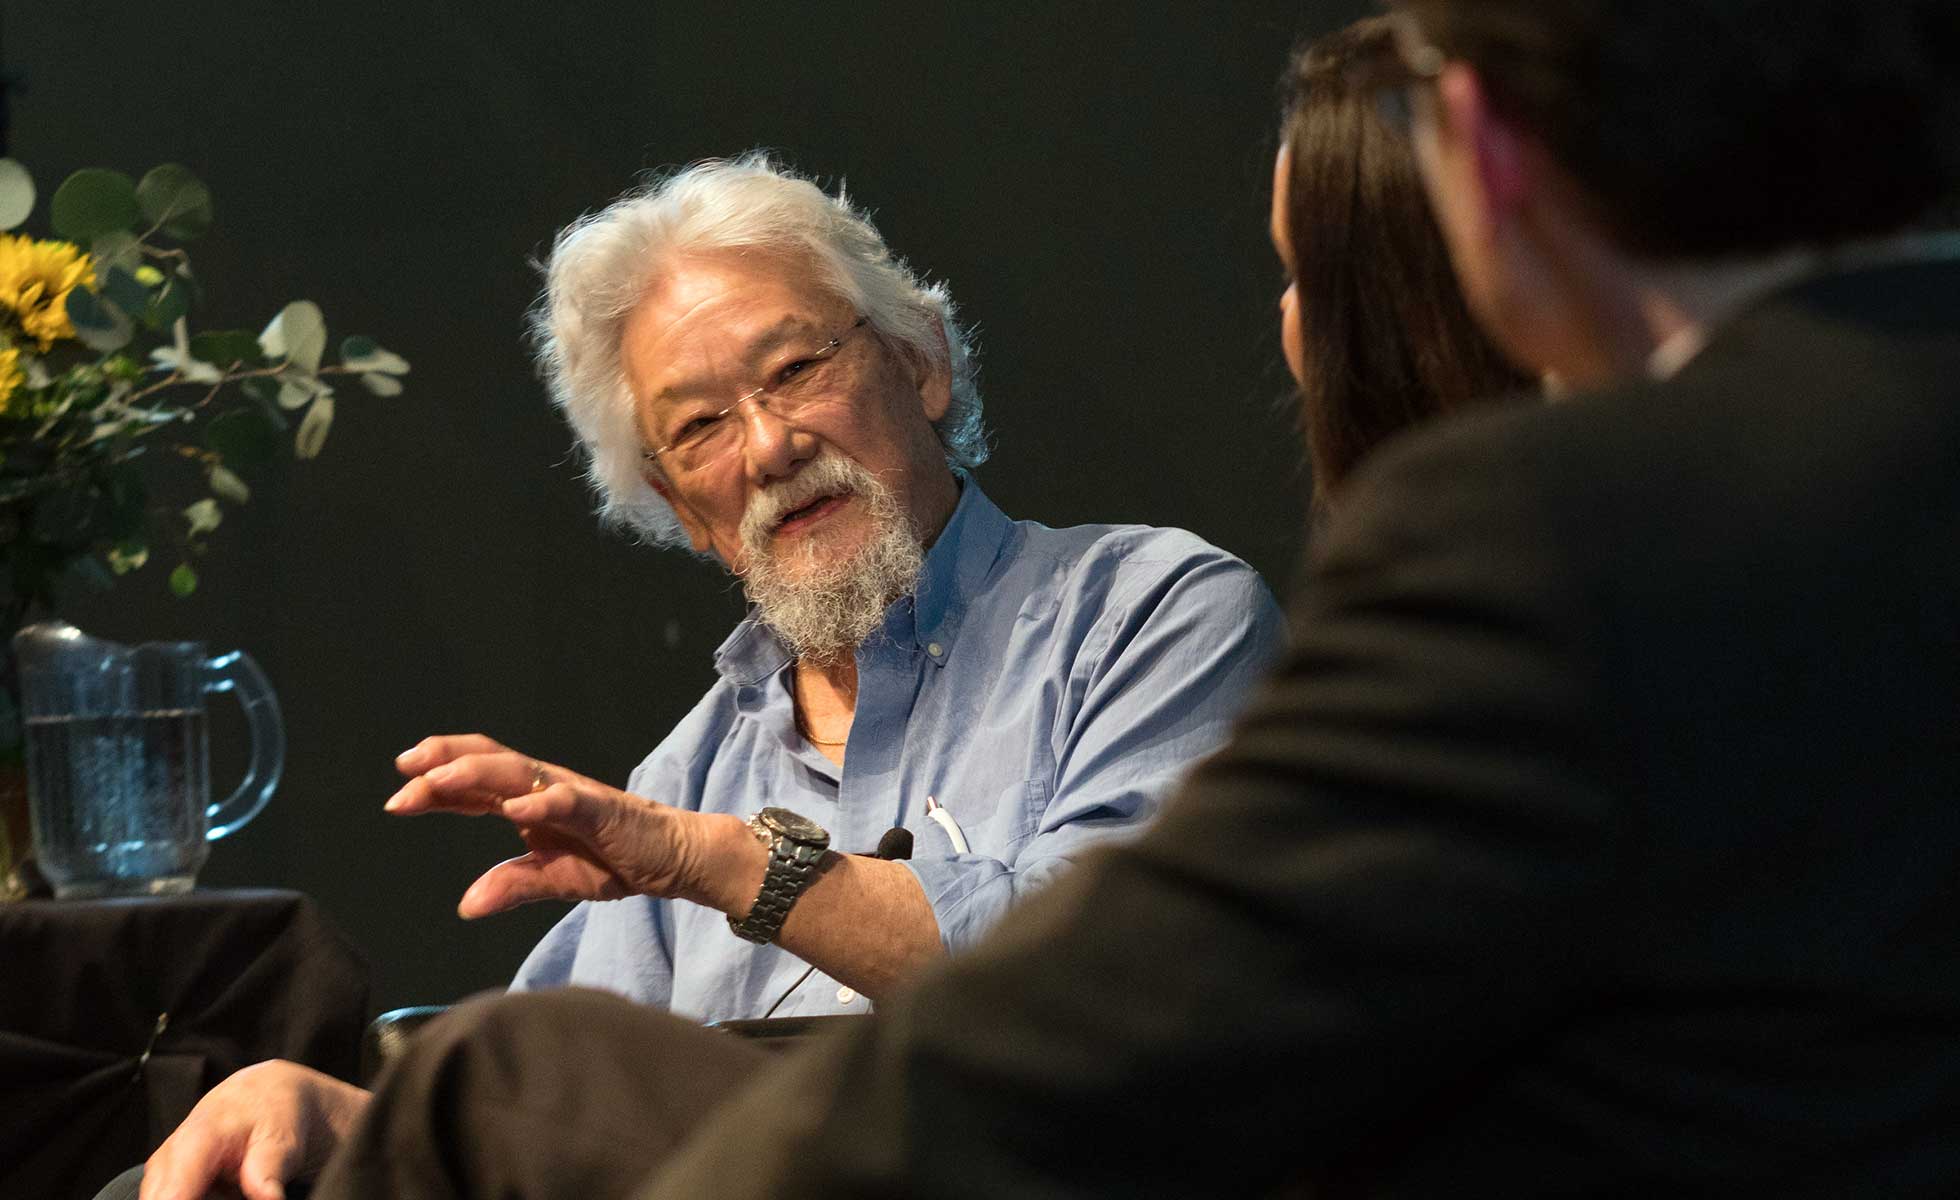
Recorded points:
805,382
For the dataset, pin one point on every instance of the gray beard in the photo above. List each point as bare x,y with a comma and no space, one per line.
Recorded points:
823,610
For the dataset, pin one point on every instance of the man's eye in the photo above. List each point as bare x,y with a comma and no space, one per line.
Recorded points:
697,427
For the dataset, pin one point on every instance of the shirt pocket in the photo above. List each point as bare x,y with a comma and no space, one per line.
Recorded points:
995,826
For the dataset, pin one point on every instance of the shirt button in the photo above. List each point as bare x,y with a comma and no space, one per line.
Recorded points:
845,995
934,650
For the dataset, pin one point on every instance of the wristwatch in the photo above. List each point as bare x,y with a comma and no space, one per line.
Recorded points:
795,844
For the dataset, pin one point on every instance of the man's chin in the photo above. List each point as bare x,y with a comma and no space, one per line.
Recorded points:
807,550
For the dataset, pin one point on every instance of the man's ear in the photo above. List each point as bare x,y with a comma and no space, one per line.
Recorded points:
1485,150
933,376
697,529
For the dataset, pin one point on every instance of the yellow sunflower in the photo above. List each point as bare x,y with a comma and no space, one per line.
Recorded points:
11,377
35,279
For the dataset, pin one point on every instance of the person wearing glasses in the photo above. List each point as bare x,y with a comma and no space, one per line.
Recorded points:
1596,836
753,375
1380,342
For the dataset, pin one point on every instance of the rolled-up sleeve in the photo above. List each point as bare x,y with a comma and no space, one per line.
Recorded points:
1156,686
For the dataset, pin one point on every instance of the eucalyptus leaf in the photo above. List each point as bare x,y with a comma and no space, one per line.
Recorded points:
227,486
381,385
313,428
203,516
243,438
117,248
183,580
171,302
356,346
177,358
176,201
86,310
226,349
298,335
16,193
297,393
99,325
128,556
121,288
92,202
264,393
380,361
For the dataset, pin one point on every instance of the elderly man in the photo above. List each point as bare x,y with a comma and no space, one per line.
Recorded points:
751,371
1597,836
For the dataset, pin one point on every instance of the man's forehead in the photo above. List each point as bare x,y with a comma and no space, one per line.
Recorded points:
706,318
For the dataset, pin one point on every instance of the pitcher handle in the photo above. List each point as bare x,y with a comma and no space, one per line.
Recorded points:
236,672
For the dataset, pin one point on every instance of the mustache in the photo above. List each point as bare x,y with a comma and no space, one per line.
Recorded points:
829,475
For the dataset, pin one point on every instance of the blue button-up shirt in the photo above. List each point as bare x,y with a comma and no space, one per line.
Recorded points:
1046,686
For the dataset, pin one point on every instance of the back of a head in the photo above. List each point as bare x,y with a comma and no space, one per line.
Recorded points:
1387,342
1708,129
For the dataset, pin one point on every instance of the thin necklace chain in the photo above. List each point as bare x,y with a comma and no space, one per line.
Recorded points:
812,738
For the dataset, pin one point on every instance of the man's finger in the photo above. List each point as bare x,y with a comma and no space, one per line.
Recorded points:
419,796
184,1167
583,813
442,748
473,784
269,1162
526,879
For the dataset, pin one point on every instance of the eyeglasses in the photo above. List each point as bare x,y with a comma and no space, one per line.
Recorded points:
807,382
1393,78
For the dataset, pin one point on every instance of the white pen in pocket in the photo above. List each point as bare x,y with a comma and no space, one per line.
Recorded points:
937,814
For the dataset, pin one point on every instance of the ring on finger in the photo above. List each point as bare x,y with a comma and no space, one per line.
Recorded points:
538,780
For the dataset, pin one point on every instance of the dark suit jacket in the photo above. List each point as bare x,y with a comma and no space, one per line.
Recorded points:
1600,835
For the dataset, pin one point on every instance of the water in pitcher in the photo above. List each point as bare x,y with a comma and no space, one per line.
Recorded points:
119,800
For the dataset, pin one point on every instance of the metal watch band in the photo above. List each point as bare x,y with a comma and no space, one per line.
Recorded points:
792,868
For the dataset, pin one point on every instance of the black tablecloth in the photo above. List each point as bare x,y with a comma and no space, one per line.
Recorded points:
116,1015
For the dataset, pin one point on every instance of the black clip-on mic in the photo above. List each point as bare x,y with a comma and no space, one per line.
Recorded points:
895,846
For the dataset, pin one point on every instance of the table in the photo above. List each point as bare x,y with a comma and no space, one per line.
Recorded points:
116,1015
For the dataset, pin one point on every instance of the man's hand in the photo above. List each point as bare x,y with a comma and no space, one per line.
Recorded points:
267,1124
586,841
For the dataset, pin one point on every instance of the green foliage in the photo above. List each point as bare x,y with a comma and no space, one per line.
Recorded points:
228,350
16,193
93,202
175,202
125,440
243,438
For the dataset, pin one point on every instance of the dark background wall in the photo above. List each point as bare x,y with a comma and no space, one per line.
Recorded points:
1089,178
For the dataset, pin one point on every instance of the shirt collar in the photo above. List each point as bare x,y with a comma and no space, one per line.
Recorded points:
929,618
1686,344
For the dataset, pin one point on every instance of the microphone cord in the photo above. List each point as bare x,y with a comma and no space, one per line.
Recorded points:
895,845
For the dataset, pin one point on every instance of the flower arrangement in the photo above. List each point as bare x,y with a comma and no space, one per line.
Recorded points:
108,400
104,388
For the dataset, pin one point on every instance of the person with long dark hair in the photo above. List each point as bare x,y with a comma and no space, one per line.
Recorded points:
1374,328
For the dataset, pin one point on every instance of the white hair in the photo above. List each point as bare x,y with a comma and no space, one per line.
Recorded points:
603,265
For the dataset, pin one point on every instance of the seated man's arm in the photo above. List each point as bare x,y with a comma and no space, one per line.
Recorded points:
264,1125
1180,642
1403,865
1167,668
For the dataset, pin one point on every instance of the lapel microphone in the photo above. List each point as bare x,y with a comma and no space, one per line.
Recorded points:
895,845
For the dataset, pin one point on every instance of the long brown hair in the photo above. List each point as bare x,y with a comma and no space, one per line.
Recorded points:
1388,342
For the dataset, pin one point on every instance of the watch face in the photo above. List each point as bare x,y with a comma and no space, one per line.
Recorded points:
795,827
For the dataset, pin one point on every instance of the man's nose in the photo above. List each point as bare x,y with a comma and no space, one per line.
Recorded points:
772,448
